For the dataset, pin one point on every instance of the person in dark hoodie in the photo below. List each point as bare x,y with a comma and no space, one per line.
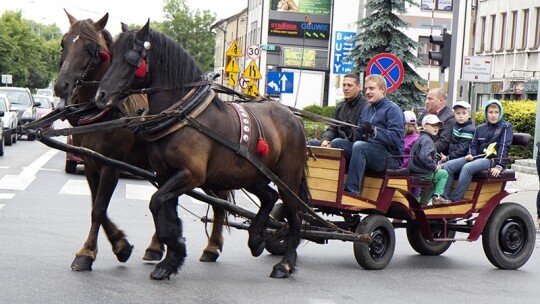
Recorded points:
423,161
463,132
379,135
494,130
348,111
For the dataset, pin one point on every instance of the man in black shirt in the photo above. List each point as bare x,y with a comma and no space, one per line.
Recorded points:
348,111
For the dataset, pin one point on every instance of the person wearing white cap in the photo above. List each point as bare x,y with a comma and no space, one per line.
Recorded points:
424,162
495,131
436,104
463,132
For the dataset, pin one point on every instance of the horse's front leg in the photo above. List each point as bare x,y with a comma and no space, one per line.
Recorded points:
163,206
215,242
154,251
268,197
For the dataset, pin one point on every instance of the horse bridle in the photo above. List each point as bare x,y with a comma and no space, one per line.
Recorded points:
136,58
97,56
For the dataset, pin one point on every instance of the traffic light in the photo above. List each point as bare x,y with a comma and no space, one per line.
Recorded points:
443,55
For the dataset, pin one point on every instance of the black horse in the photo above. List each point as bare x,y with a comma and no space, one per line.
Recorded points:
85,59
185,158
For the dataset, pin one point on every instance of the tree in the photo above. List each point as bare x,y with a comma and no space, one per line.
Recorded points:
192,30
380,33
27,54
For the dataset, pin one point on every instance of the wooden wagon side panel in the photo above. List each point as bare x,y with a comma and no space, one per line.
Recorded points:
325,175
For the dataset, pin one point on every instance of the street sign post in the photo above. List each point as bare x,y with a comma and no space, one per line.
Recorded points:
388,66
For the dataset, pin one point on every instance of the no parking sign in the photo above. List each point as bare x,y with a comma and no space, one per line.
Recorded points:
388,66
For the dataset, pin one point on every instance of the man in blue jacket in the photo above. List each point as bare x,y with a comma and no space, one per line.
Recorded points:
494,130
379,136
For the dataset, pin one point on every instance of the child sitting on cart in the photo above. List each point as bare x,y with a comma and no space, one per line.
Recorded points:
423,160
495,131
462,134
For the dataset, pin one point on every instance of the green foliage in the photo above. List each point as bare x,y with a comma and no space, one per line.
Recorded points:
381,33
192,30
520,114
316,129
30,51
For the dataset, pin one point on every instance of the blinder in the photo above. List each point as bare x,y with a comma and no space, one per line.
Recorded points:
134,59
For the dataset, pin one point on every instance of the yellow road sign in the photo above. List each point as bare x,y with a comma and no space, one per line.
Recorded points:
233,79
252,71
251,89
232,67
234,50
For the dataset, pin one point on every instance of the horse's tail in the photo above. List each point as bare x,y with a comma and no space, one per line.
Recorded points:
303,191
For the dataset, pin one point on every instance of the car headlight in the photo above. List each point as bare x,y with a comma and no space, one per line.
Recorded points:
27,113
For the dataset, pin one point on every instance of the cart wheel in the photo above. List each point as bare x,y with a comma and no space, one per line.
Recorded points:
423,247
276,244
378,254
509,236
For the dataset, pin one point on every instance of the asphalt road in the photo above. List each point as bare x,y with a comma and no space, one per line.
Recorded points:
44,222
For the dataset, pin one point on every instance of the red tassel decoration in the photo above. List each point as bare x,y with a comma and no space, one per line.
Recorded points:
141,70
262,147
104,56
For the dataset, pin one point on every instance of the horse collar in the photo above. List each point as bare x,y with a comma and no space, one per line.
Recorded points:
245,123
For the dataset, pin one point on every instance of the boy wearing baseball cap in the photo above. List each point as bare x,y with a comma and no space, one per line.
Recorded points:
462,133
423,159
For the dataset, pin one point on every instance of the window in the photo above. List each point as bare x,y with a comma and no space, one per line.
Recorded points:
492,41
525,29
537,29
482,33
438,5
503,32
513,31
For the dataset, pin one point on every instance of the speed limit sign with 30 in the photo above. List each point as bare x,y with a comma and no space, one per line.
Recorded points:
253,51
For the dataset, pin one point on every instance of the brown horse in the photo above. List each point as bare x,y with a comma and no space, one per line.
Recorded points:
186,158
84,61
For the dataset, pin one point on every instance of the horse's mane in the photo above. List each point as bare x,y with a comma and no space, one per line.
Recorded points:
166,57
86,30
135,102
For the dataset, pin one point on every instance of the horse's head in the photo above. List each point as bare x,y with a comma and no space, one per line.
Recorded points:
85,55
128,69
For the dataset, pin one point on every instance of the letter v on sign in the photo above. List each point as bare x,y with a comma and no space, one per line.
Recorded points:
252,71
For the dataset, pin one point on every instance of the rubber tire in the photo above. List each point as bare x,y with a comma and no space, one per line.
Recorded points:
15,138
509,220
277,246
9,140
379,253
2,146
423,247
71,166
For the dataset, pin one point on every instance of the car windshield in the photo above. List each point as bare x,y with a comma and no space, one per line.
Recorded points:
3,105
45,103
18,97
46,92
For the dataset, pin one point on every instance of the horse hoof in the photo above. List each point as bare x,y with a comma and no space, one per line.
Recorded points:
152,255
124,255
208,256
258,249
160,274
280,271
82,263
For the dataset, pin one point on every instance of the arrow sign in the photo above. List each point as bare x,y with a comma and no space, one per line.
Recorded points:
280,82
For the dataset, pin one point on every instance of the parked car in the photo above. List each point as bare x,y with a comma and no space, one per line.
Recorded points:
9,120
22,101
72,160
45,107
49,92
1,135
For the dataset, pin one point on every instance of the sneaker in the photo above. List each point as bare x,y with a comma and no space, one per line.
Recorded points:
439,200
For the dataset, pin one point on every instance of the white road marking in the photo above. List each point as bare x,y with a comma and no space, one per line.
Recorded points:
75,187
139,192
2,206
7,195
28,175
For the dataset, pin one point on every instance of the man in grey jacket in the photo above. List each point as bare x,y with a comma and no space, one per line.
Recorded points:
436,104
